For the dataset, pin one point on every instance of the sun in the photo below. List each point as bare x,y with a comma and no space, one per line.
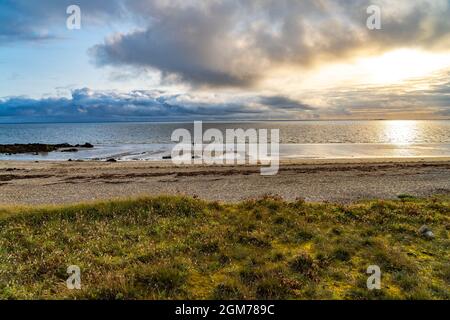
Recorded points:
394,67
400,65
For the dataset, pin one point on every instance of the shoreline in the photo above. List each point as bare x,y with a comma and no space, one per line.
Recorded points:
287,152
339,180
284,161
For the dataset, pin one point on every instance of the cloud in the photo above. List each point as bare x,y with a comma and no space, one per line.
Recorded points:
419,98
285,103
90,105
413,99
24,20
237,43
233,42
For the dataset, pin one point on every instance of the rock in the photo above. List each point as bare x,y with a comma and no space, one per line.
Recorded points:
111,160
426,232
429,235
423,229
86,145
69,150
36,148
167,157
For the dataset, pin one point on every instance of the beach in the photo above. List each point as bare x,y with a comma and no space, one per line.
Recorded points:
341,180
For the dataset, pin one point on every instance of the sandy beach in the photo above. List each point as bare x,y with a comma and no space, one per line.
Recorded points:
25,183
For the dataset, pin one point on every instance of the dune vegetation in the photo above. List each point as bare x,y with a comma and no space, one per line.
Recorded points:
186,248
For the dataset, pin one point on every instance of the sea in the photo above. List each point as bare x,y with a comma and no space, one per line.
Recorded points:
298,139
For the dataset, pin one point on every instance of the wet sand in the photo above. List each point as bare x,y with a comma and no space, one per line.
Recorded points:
23,183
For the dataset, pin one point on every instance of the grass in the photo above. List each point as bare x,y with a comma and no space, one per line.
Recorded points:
184,248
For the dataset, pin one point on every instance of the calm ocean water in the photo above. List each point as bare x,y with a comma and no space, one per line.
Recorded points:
299,139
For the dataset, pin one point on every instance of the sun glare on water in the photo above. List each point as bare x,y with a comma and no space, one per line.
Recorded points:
400,131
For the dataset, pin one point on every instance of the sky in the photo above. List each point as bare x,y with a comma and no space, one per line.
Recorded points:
165,60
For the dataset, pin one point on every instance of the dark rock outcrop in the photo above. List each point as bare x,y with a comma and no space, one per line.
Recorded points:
37,148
